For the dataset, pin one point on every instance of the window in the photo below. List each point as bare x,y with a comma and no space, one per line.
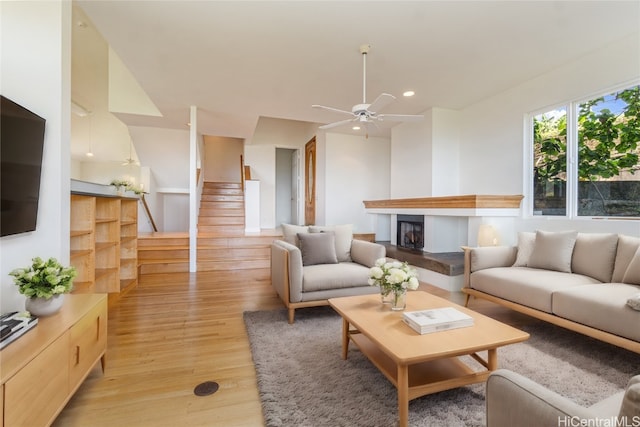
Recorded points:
586,157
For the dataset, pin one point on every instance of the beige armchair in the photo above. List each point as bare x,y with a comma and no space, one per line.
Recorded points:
513,400
307,284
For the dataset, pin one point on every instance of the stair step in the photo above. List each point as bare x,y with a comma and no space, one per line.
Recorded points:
144,242
162,253
179,266
221,220
233,253
205,242
222,191
221,211
222,230
233,265
221,198
211,184
222,206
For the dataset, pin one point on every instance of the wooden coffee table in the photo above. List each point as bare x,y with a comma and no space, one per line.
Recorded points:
421,364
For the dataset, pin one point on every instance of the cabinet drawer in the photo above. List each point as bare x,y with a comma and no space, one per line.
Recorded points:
87,343
35,395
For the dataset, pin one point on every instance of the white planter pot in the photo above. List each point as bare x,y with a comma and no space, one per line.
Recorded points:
41,307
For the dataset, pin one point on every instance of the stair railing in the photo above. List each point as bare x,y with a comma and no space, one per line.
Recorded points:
148,211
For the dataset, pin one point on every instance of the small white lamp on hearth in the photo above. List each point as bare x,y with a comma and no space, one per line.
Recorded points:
488,235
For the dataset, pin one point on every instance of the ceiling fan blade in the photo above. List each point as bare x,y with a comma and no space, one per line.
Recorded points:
335,110
335,124
400,117
381,101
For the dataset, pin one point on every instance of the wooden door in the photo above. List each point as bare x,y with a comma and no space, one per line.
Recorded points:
310,182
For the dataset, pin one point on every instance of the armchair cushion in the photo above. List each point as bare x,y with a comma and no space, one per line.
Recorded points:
318,248
342,275
512,400
630,408
290,233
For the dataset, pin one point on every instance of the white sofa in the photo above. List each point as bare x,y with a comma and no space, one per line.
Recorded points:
586,282
312,264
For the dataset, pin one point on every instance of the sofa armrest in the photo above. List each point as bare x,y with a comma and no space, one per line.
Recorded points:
513,400
366,253
286,270
486,257
491,257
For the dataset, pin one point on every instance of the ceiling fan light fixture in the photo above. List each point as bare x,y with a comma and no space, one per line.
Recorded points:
367,113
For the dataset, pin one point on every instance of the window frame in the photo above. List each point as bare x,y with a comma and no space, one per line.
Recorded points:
571,108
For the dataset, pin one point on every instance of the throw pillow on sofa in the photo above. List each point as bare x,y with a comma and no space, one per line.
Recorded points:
632,274
526,243
318,248
627,247
553,250
594,255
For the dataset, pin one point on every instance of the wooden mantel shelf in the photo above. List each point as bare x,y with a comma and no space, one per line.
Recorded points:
472,201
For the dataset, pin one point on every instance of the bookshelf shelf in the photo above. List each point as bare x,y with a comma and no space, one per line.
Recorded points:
103,243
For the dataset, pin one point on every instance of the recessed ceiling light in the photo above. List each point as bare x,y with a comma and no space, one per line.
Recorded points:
356,128
408,93
89,154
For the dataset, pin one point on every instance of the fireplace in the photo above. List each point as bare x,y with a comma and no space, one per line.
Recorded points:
410,234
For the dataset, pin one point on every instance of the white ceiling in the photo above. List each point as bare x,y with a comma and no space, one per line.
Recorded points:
240,60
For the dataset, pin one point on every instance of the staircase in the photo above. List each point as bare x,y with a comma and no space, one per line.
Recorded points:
222,209
222,243
163,253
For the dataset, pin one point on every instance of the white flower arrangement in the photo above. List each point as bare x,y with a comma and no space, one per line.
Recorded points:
393,275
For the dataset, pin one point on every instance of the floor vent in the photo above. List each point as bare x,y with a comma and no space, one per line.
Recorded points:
206,388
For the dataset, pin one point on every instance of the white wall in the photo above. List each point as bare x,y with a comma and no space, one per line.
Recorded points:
425,156
411,159
260,155
222,159
166,153
492,131
35,72
355,169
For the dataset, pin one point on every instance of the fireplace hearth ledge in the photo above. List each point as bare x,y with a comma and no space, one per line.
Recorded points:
466,205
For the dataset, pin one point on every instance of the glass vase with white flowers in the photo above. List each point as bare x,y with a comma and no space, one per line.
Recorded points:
394,278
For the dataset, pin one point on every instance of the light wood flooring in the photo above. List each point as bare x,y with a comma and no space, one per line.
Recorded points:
176,330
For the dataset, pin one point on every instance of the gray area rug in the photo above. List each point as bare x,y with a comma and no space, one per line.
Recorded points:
304,382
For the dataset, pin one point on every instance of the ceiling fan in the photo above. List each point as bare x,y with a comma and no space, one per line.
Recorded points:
368,114
130,160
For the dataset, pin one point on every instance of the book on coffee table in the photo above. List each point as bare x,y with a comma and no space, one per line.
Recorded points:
436,319
13,325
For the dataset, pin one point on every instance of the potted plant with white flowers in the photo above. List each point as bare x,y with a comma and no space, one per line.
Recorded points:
44,283
394,278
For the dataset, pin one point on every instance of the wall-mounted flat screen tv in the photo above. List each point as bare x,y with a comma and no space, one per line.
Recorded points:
21,144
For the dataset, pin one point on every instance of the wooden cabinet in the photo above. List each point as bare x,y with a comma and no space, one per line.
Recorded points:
42,369
104,243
